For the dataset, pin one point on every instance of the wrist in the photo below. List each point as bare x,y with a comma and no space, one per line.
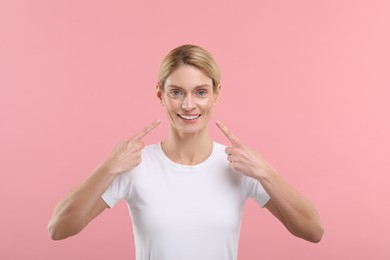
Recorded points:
265,174
106,169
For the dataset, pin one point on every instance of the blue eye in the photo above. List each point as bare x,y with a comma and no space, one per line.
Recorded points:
175,93
202,92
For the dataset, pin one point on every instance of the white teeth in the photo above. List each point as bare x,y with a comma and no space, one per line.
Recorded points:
189,117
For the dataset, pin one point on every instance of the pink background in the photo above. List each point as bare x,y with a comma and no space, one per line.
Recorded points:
304,82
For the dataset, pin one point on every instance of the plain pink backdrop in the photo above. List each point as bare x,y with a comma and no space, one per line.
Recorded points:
304,82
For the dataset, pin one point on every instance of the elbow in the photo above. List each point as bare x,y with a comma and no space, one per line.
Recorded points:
56,231
310,232
314,229
316,234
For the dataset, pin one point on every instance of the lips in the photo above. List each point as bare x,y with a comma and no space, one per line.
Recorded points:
189,117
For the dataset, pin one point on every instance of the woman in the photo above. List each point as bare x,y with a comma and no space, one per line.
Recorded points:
185,194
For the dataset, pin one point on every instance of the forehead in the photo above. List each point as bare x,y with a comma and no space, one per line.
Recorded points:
187,76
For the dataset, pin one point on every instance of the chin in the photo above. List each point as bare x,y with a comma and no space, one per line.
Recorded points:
196,128
190,130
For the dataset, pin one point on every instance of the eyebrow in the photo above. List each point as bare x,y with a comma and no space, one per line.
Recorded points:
200,86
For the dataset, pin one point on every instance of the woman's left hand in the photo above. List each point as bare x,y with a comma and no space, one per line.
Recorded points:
244,159
297,214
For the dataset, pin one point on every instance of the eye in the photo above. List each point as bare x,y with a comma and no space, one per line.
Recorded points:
175,93
201,92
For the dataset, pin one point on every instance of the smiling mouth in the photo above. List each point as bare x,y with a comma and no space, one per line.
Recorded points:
189,117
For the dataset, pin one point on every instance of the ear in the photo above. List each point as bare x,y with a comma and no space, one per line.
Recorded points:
159,93
217,93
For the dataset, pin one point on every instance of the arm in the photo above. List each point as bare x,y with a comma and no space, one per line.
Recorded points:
84,203
80,206
297,214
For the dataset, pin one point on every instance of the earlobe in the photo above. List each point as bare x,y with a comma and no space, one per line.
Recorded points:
159,94
160,99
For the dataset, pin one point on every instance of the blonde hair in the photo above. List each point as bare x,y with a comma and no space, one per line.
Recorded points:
189,55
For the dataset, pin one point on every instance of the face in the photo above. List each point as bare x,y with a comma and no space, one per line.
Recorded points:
188,99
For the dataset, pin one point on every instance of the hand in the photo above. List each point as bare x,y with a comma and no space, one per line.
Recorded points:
127,154
243,159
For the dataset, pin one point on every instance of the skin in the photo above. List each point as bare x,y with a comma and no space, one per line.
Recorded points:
73,212
296,213
186,92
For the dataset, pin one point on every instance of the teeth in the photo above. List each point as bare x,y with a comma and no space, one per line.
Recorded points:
189,117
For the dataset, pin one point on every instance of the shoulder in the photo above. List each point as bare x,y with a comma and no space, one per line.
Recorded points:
219,156
219,148
151,148
219,151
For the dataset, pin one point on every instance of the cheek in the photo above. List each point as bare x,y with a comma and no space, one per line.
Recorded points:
169,104
207,104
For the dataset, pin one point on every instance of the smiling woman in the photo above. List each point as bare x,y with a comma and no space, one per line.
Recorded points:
186,193
188,99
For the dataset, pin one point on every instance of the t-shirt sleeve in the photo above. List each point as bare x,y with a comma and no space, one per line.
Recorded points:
256,191
118,189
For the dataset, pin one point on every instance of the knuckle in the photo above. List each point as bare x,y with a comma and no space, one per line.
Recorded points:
145,130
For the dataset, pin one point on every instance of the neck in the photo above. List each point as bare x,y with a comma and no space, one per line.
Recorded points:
189,149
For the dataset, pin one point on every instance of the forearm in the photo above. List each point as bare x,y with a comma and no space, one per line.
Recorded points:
84,203
75,210
298,214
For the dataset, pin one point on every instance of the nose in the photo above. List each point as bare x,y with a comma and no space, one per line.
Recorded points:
188,103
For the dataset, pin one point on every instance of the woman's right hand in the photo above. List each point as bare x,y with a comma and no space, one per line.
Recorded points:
75,210
127,154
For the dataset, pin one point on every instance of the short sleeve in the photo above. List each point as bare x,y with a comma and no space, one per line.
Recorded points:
256,191
118,189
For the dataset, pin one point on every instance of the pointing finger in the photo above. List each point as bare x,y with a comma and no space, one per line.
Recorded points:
232,138
146,130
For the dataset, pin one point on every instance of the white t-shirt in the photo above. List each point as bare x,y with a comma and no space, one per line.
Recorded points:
183,212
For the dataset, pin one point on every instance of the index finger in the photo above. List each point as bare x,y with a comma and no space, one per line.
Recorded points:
146,130
232,138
